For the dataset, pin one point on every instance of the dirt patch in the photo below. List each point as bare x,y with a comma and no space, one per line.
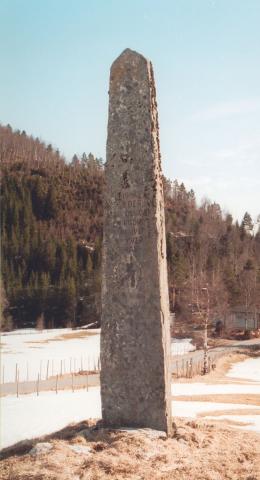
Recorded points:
245,398
80,334
238,411
220,342
197,450
232,423
65,336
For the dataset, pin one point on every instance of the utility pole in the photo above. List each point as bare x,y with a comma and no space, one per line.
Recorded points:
206,321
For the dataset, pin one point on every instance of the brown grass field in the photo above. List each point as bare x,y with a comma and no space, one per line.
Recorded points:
198,450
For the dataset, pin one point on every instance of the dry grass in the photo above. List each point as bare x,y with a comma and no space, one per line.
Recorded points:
197,450
223,364
245,398
65,336
230,411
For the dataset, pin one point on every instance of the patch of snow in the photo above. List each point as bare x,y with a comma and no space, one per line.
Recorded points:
39,352
41,448
182,346
208,389
148,432
249,369
45,333
252,422
192,409
81,449
30,416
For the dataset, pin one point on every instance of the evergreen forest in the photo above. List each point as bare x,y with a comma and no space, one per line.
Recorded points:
51,242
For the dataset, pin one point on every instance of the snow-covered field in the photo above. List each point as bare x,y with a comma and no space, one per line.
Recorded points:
38,353
215,389
29,416
249,369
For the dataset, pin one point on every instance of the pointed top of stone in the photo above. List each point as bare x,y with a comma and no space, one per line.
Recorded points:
129,66
128,56
128,53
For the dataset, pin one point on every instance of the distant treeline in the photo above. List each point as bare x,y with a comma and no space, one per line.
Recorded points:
51,242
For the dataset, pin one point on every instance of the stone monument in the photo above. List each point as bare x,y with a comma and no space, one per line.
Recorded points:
135,332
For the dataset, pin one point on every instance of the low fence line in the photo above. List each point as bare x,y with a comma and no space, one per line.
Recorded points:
186,366
56,384
182,367
49,368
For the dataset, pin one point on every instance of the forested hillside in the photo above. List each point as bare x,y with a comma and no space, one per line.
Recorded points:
51,231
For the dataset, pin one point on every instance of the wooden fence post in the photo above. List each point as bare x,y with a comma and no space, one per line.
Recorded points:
191,368
17,384
38,384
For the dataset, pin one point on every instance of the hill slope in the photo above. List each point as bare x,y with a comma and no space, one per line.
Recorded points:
51,227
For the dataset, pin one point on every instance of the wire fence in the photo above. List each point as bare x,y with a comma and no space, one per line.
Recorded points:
50,367
194,365
47,368
84,373
59,381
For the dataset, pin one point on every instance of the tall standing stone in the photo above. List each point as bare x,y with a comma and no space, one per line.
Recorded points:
135,332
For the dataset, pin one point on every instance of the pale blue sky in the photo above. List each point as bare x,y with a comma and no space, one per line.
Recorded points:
55,57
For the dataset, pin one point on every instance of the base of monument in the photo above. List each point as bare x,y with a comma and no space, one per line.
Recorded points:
88,450
150,432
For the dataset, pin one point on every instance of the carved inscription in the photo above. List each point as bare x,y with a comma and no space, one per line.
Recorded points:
131,211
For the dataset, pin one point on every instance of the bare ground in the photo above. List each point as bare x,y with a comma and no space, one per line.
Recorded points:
244,398
197,451
66,336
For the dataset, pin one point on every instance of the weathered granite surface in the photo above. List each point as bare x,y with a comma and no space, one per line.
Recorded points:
135,333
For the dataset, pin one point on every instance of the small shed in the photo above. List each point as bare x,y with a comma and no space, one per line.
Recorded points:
242,318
